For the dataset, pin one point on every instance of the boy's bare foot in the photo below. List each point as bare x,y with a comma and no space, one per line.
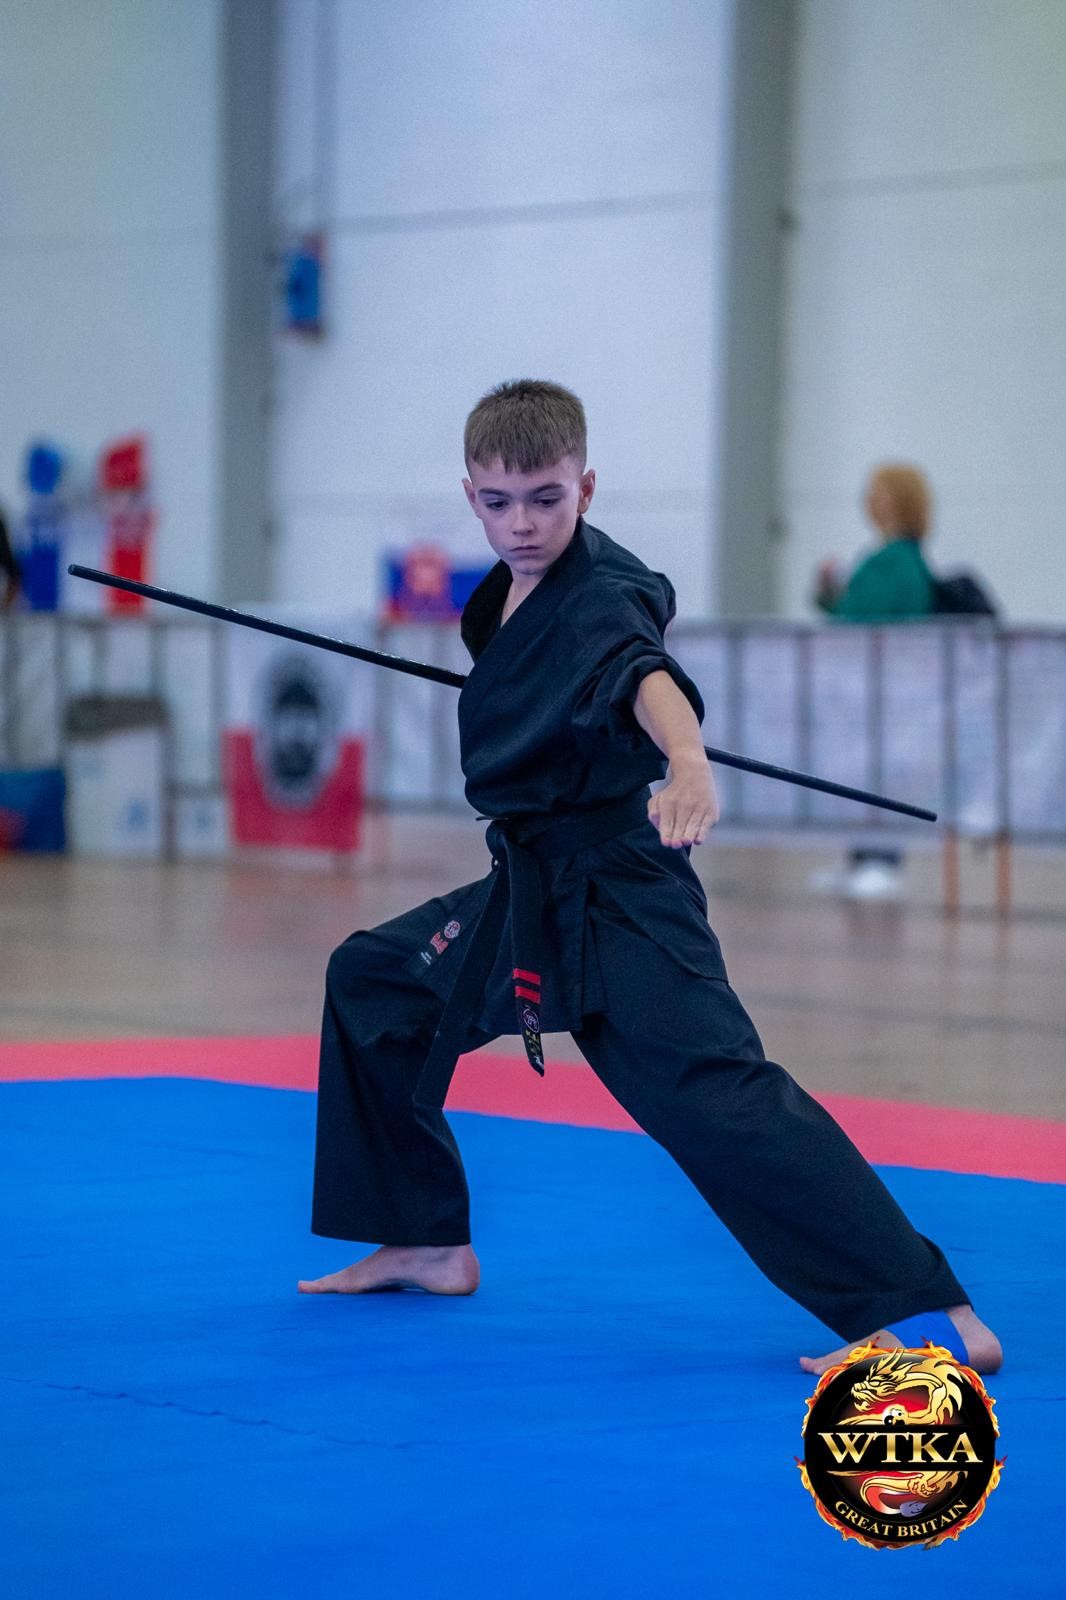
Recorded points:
984,1349
438,1269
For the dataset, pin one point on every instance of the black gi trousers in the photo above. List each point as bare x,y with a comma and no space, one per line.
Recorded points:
680,1053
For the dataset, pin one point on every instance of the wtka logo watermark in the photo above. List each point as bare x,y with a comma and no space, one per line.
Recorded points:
899,1447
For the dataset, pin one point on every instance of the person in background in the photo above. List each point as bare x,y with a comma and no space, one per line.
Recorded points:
893,584
9,569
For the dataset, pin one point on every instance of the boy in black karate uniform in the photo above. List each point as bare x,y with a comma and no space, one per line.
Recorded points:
591,921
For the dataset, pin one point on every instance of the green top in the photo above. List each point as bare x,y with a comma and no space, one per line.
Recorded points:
892,585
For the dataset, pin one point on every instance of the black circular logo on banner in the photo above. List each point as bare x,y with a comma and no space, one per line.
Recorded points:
899,1447
296,731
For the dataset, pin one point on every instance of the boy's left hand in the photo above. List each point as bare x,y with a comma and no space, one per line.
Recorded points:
687,806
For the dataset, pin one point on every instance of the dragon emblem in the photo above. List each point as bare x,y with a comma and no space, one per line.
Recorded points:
898,1371
906,1497
891,1376
900,1446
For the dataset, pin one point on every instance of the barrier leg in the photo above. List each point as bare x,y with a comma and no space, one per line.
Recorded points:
1004,877
950,860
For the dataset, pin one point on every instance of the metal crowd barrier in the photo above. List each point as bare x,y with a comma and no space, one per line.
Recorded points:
964,717
48,661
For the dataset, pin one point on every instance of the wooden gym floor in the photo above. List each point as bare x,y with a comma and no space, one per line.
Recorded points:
894,1002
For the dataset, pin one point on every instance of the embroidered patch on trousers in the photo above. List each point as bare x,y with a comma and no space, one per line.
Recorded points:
440,941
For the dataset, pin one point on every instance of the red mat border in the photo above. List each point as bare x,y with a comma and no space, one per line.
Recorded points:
896,1133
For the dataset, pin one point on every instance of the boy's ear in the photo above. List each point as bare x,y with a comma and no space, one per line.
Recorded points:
469,488
586,490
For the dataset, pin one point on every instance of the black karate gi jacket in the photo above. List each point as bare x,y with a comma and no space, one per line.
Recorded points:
546,728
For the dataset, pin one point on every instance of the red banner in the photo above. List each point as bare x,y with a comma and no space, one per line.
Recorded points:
327,821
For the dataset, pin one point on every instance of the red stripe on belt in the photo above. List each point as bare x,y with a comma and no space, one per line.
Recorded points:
527,994
530,977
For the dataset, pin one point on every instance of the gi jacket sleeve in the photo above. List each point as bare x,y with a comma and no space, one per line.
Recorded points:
617,639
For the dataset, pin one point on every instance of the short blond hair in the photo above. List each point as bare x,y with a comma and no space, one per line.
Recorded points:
909,490
526,424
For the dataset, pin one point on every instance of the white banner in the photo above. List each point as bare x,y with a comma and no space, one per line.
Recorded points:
297,729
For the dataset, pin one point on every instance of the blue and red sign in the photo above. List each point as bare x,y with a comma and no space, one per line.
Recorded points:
422,585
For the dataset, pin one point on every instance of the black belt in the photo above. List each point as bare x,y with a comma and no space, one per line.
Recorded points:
518,845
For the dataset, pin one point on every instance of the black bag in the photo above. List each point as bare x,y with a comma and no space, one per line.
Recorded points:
960,594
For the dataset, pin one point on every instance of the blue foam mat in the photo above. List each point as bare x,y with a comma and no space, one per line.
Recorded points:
616,1412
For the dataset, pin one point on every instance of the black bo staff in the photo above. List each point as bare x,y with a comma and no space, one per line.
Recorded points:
419,669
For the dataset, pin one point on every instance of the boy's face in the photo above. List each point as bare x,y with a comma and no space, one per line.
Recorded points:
529,518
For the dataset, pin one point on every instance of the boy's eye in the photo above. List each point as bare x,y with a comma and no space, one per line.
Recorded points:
495,505
552,501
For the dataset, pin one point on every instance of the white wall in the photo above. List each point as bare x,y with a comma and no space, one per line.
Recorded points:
925,307
109,269
507,191
513,190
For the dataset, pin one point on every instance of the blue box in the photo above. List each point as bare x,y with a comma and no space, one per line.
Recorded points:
31,809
